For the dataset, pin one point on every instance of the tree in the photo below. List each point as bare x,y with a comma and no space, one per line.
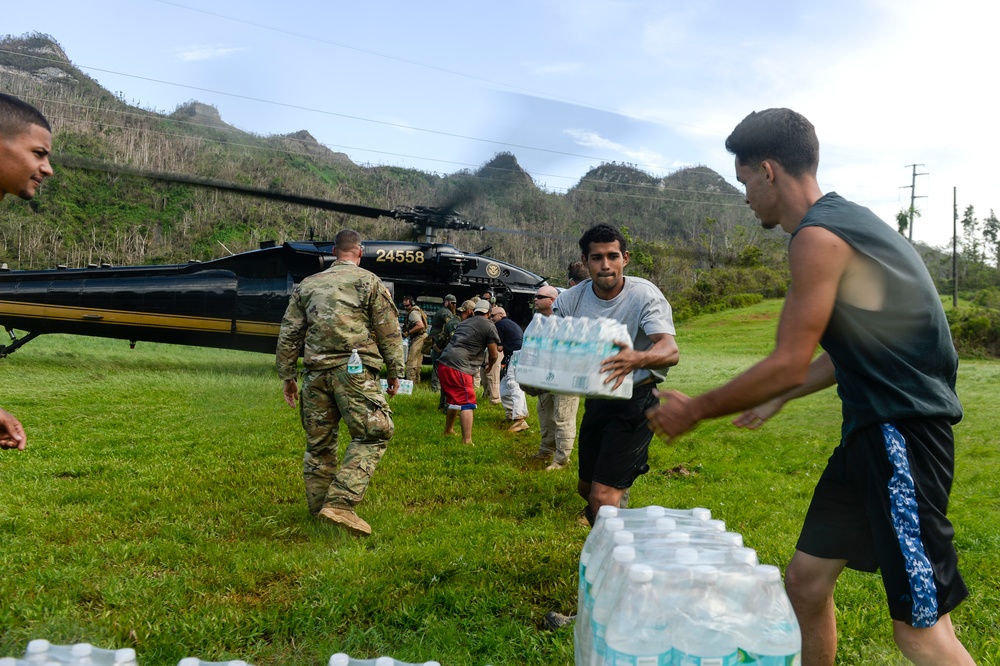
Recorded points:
904,217
991,235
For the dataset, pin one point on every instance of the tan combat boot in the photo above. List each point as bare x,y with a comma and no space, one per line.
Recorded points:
347,519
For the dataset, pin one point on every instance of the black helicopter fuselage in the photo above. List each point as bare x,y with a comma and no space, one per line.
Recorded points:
237,302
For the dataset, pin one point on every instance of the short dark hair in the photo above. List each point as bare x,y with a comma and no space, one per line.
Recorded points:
577,271
781,135
347,239
16,115
602,233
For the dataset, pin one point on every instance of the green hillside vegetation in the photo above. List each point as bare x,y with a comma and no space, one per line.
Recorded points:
691,232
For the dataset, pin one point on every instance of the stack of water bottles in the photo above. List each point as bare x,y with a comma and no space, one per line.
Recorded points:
41,652
564,354
671,587
341,659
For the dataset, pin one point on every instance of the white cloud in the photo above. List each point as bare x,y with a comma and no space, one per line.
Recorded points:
590,139
207,52
553,68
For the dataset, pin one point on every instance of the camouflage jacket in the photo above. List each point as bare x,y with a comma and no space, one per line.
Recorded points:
343,308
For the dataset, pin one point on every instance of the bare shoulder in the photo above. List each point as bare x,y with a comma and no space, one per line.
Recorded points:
818,253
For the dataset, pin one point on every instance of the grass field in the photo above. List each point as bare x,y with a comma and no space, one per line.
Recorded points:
160,506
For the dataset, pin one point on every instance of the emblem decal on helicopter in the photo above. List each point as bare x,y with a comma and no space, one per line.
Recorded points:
492,270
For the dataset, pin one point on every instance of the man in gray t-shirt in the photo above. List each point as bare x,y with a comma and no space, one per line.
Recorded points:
614,438
474,342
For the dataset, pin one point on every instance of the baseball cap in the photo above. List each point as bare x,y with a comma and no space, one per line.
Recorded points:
450,298
468,305
482,306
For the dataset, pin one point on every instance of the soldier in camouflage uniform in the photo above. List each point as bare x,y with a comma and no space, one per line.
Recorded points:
343,308
415,330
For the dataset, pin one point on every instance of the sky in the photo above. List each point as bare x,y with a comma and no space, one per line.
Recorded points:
568,84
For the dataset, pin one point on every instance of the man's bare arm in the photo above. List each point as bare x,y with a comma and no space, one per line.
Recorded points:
821,375
818,260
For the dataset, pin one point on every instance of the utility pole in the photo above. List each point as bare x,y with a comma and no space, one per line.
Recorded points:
913,194
954,247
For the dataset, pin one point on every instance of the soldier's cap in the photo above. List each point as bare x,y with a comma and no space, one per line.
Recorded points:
450,298
468,306
482,306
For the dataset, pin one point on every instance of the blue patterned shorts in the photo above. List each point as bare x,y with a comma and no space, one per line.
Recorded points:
881,504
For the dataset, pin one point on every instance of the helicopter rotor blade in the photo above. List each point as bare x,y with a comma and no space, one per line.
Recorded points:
536,234
75,162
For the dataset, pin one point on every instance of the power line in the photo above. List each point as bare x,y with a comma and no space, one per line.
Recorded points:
144,115
409,61
321,111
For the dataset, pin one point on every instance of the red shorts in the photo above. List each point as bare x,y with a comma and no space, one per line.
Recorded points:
458,388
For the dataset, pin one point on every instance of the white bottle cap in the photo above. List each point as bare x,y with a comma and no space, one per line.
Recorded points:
339,659
607,511
124,655
189,661
624,538
623,553
81,650
701,513
614,524
37,646
667,524
654,511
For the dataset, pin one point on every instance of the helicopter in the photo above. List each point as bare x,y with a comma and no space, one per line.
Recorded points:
237,301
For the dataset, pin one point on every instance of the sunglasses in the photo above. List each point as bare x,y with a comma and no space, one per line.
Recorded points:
538,298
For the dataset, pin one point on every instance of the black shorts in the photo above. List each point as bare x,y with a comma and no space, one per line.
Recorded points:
881,504
614,438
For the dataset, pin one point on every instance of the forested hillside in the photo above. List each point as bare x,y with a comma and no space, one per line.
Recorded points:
685,223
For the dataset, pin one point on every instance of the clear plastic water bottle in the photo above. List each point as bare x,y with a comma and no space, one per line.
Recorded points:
406,348
637,631
602,545
772,636
606,592
702,635
195,661
354,366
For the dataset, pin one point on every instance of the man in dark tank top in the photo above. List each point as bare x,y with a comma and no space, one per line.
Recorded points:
862,293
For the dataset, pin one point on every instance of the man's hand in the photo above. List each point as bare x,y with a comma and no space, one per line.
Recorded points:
755,417
621,364
392,386
11,432
291,392
674,416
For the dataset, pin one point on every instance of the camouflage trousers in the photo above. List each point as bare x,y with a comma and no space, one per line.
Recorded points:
328,396
415,358
557,421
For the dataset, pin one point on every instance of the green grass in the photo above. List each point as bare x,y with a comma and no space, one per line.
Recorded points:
160,506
